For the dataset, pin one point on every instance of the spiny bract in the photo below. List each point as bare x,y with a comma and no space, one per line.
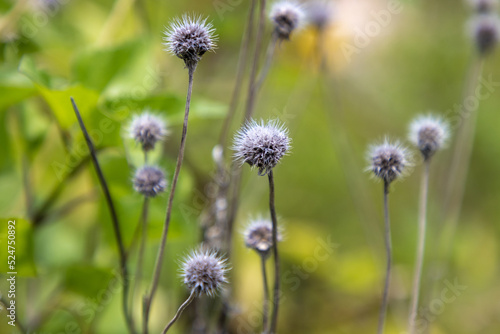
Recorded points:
388,161
147,129
261,145
429,134
149,181
204,272
189,38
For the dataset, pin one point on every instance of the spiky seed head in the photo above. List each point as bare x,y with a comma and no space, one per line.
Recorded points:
189,38
286,17
429,133
204,272
389,161
319,14
149,181
147,129
485,31
261,145
483,6
259,236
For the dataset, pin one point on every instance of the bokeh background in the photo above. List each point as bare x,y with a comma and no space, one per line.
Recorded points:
109,56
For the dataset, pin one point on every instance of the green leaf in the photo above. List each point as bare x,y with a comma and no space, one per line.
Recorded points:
14,87
87,280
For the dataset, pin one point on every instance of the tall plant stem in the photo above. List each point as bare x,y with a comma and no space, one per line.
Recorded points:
255,64
265,305
142,246
161,251
242,61
460,161
276,292
388,249
180,310
422,223
114,219
267,64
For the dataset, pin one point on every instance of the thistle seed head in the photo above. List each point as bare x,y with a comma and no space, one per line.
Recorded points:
149,181
483,6
485,30
259,236
261,145
429,134
286,17
147,129
204,272
388,161
189,38
319,14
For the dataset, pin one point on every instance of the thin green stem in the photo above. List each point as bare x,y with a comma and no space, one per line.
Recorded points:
142,247
267,63
114,219
265,306
422,223
161,251
388,248
180,310
276,298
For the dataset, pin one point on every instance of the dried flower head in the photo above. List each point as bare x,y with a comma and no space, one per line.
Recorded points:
147,129
261,145
388,161
149,181
286,17
204,272
319,14
189,38
429,134
259,236
483,6
485,30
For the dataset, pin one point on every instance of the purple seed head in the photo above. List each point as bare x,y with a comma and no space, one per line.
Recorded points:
388,161
485,31
429,134
259,236
286,17
149,181
147,129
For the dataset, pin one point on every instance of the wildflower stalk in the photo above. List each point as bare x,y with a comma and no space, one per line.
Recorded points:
276,297
252,92
267,63
265,306
242,61
114,219
180,310
422,224
159,258
388,249
142,245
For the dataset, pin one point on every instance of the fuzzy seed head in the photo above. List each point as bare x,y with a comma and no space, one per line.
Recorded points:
149,181
259,236
388,161
319,14
261,145
147,129
483,6
429,134
189,38
485,31
204,272
286,17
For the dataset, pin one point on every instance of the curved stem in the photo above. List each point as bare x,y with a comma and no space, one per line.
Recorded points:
265,306
159,258
422,222
114,219
180,310
242,61
388,248
276,300
255,65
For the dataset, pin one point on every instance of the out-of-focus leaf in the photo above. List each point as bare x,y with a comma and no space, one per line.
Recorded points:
14,87
28,68
87,280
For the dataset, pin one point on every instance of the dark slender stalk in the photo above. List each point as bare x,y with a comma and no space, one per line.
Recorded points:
114,219
242,61
422,223
255,64
276,299
265,306
388,247
161,251
179,311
